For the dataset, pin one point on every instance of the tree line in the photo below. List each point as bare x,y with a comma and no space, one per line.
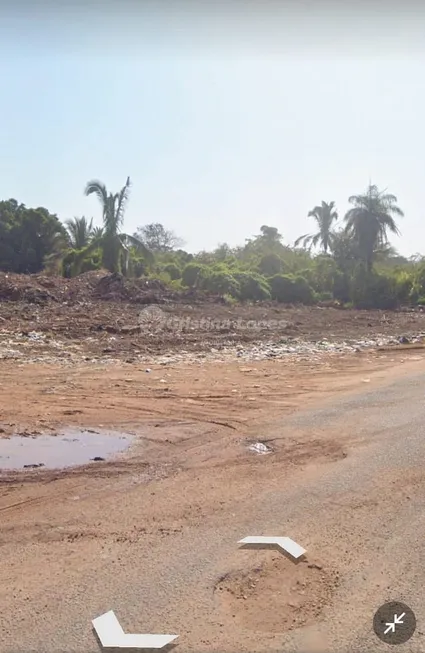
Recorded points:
348,261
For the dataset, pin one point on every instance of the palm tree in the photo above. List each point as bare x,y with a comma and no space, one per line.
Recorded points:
97,233
324,215
115,245
80,232
370,220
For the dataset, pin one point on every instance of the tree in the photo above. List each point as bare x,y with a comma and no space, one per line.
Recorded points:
223,252
325,215
370,220
80,232
157,238
270,235
114,244
267,242
27,237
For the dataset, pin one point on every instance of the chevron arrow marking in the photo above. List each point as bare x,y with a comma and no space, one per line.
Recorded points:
285,543
111,635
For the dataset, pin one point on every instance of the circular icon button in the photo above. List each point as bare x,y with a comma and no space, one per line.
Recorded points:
394,623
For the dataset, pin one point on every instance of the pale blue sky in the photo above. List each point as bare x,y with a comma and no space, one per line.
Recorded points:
225,118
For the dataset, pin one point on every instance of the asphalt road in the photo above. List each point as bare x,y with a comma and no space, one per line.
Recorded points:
361,516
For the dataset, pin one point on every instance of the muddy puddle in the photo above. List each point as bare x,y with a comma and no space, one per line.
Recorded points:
68,449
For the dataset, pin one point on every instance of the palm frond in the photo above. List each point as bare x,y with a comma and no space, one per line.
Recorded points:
97,233
387,222
314,213
97,188
79,231
133,241
122,199
316,239
301,239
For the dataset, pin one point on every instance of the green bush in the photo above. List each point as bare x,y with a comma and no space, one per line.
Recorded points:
138,267
252,287
193,274
291,289
177,285
325,296
94,262
418,285
404,285
372,290
163,277
270,264
173,271
342,287
220,283
230,300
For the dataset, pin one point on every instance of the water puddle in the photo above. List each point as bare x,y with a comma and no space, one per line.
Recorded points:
68,449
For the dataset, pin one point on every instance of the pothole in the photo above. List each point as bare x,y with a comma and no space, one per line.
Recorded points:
67,449
277,595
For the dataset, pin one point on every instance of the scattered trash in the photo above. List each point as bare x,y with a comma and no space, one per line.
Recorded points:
97,459
148,370
36,336
260,448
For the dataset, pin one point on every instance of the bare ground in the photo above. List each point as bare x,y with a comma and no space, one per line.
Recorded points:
97,317
188,476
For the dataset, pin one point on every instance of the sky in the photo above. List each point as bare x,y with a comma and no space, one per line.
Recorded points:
225,115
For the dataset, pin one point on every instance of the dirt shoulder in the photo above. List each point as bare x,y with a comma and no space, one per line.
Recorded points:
186,415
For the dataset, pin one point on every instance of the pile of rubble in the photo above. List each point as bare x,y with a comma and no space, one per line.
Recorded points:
39,289
94,285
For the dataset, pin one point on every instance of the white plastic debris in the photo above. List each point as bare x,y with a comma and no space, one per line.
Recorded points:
260,448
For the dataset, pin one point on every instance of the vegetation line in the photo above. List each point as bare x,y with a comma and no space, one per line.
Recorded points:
348,262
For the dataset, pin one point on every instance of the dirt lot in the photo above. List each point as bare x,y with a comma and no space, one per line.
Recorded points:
102,317
189,467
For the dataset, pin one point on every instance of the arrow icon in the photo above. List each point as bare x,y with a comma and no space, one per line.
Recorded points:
392,624
285,543
111,635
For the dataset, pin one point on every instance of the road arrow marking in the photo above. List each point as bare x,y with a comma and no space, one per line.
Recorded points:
111,635
392,624
285,543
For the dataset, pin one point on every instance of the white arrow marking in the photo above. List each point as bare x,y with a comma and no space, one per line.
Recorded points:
111,635
285,543
392,625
